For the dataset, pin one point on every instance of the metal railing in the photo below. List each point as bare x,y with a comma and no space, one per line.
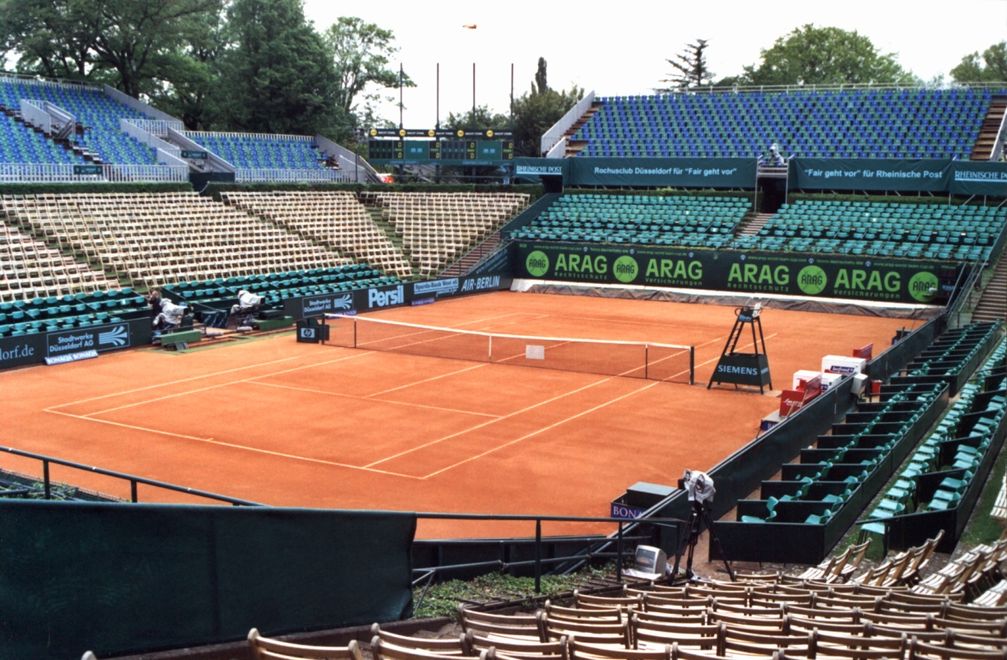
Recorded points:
156,127
248,174
134,481
64,173
428,574
833,87
288,137
555,134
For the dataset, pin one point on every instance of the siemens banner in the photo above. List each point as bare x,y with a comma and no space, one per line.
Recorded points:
893,280
663,172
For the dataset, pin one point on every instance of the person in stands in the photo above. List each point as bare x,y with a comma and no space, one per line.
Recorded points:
169,318
248,303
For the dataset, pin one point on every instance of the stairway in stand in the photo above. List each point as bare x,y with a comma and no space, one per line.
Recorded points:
983,148
574,147
752,223
993,303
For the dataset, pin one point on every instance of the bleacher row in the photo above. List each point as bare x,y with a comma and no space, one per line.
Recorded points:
761,616
891,229
59,244
858,456
66,312
102,139
947,460
865,123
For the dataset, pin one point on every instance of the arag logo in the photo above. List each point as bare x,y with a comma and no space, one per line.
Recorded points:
625,269
537,263
811,280
923,286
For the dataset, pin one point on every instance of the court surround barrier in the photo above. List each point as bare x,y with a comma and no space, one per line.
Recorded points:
955,177
34,348
118,578
813,275
396,295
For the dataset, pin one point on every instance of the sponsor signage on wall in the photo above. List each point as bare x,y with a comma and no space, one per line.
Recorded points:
882,279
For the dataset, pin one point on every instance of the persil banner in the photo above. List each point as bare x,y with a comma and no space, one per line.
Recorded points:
663,172
375,298
893,280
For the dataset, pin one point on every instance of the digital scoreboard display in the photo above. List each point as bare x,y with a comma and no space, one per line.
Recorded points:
445,147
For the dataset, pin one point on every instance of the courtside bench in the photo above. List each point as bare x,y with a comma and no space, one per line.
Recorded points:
180,340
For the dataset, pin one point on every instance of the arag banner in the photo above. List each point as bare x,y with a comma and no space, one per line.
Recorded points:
824,276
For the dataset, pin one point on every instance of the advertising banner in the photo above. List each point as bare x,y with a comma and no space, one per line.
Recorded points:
35,348
825,276
663,172
536,168
366,300
870,174
978,178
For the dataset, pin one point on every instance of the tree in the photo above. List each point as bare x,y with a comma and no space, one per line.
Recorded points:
361,53
535,112
691,67
126,43
992,67
277,73
814,56
480,120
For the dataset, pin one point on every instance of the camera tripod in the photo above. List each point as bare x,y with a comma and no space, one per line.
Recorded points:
699,515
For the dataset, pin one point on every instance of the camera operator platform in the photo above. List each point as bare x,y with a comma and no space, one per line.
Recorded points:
700,490
750,368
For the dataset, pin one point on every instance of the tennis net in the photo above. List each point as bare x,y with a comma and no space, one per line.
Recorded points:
630,359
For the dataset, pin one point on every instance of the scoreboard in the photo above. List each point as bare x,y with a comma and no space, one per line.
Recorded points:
438,146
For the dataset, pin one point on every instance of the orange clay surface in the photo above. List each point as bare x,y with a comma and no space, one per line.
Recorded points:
291,424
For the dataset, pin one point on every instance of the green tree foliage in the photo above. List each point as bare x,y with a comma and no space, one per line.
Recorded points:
277,74
131,44
690,68
480,120
811,55
535,112
361,53
991,66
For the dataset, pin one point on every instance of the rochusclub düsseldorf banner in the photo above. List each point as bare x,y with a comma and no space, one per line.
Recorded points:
891,280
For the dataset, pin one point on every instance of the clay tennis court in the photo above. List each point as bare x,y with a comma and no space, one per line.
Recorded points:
274,421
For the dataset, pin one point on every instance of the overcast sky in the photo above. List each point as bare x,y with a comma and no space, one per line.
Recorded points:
621,47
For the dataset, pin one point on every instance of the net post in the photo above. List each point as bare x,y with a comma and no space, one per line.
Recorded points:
354,332
692,365
646,361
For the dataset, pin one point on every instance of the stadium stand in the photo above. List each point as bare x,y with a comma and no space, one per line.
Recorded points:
892,229
438,228
277,287
97,116
269,157
66,312
30,268
673,220
334,219
149,240
842,123
21,145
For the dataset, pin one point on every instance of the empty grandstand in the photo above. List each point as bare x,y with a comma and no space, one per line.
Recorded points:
826,123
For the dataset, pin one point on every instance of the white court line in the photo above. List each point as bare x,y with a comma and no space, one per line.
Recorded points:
222,372
232,445
228,383
367,398
426,380
543,429
493,421
174,382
